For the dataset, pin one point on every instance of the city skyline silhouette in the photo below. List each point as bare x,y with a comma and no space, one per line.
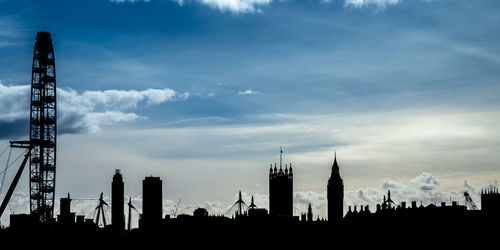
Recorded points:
187,117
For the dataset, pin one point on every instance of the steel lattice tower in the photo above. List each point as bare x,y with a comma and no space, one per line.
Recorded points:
43,129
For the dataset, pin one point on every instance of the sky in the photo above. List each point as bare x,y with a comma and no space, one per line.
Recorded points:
204,92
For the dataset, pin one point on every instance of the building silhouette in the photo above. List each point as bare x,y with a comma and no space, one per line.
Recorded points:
335,194
200,213
490,201
389,203
281,190
152,202
117,206
65,217
309,213
256,212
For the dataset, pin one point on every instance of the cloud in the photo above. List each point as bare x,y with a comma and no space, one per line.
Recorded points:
380,4
233,6
128,1
377,3
424,189
236,6
248,92
250,6
236,153
85,112
14,102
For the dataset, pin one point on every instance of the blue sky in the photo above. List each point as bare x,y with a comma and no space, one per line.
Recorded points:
204,92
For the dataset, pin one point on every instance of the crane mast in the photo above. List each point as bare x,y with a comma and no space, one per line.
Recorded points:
469,202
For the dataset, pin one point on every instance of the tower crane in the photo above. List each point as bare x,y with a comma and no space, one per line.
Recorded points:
130,207
16,144
469,202
176,208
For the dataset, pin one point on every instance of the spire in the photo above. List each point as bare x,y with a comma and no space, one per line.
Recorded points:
281,156
309,213
335,166
389,201
335,175
252,204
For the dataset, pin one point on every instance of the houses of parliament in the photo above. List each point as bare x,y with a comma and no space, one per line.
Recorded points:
281,192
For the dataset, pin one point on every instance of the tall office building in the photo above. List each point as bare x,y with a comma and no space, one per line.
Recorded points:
152,202
117,202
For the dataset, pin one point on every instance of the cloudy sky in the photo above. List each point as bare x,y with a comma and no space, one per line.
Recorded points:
204,92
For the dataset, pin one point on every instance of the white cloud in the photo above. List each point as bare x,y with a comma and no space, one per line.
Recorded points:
222,154
14,102
236,6
424,189
364,3
380,4
129,1
233,6
248,92
250,6
87,111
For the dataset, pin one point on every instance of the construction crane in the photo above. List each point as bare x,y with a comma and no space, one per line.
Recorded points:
16,144
469,202
100,210
130,207
176,208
